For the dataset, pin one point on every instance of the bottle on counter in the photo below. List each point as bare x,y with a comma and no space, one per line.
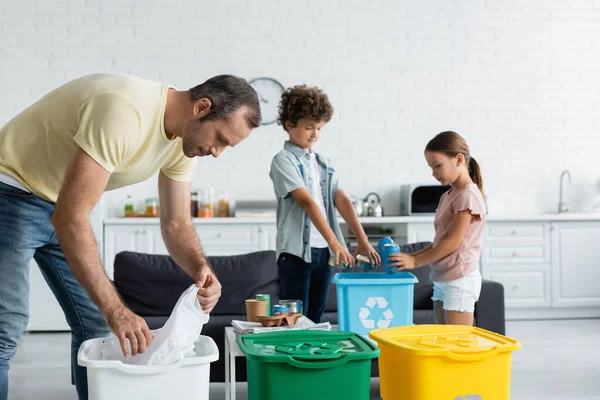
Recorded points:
203,211
129,206
209,201
194,204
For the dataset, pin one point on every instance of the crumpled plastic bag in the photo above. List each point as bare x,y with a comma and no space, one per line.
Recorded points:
173,341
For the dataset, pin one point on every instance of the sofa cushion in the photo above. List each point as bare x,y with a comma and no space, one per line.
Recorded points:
422,297
422,317
241,276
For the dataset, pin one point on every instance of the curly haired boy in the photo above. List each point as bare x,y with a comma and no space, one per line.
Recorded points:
307,189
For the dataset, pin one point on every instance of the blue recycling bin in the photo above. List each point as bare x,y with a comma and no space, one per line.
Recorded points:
376,300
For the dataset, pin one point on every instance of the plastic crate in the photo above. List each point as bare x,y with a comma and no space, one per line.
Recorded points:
301,365
368,301
112,380
444,362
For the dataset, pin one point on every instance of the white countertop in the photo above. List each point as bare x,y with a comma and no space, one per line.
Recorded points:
375,220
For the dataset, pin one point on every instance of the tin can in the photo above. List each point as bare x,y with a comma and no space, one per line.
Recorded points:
339,264
280,308
388,250
294,306
382,242
364,263
266,297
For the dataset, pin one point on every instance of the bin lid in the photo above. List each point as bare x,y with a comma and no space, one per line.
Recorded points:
454,341
374,278
303,347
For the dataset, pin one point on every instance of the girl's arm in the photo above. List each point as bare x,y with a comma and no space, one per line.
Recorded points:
416,253
458,228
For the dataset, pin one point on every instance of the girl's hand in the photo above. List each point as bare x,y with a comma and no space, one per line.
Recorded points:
367,250
342,256
402,261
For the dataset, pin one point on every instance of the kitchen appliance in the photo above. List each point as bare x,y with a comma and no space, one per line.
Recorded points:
358,206
373,205
420,199
255,208
374,233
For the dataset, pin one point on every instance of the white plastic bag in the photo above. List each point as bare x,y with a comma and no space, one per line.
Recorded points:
171,342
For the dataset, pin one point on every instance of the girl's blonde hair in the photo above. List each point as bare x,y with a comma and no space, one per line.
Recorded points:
452,144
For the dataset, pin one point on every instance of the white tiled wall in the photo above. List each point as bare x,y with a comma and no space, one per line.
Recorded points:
518,79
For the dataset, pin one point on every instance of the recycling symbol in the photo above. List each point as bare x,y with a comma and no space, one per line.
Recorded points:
365,313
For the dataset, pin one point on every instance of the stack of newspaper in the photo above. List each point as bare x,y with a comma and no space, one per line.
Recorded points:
245,327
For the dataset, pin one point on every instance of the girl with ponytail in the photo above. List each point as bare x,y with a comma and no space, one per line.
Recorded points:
459,222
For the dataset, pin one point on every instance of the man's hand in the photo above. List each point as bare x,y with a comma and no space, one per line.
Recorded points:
126,325
366,249
210,289
402,261
342,255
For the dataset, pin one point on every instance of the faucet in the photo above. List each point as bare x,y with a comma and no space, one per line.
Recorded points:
562,207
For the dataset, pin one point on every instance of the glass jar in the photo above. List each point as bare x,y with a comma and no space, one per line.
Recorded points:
194,204
223,204
152,207
209,201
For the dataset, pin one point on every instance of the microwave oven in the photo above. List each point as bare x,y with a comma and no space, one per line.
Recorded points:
420,199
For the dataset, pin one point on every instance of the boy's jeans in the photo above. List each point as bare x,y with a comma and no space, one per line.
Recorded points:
26,232
304,281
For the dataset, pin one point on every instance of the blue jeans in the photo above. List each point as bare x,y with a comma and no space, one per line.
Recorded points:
26,233
309,282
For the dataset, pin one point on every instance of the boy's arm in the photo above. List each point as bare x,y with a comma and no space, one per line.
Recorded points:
303,198
346,209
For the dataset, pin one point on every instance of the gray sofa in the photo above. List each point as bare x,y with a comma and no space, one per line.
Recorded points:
151,284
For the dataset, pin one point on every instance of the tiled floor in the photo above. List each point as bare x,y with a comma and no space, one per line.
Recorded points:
560,360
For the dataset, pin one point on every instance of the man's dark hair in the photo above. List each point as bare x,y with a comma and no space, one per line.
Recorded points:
227,94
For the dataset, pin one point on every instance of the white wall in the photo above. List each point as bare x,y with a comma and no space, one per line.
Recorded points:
518,79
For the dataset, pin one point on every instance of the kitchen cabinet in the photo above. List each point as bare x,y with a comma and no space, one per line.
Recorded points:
139,238
549,269
420,232
517,254
44,312
576,264
218,239
549,265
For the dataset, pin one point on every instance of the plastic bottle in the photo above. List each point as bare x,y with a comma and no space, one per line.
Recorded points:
128,206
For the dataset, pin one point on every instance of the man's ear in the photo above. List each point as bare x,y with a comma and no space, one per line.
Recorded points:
202,107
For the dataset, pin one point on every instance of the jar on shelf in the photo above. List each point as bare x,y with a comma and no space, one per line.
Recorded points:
194,204
208,202
152,207
223,204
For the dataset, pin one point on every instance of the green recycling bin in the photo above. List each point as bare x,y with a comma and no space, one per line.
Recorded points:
308,365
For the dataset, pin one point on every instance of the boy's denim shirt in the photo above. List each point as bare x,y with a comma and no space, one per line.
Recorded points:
290,170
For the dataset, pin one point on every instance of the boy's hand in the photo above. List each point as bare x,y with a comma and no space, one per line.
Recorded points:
402,261
342,255
366,249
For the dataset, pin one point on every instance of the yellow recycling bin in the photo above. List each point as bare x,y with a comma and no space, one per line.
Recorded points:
444,362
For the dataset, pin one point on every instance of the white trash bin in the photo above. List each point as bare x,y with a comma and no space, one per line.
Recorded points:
112,380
